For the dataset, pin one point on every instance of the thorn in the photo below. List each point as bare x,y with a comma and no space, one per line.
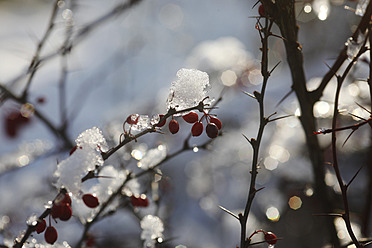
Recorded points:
249,140
259,189
229,212
274,67
348,137
248,94
356,116
271,115
363,108
329,214
256,4
285,97
281,117
356,174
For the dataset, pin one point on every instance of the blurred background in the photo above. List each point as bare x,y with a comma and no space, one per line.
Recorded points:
125,64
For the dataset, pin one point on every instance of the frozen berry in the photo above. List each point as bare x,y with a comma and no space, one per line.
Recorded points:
212,130
90,200
174,126
139,201
50,235
66,212
40,227
216,121
197,129
261,10
270,238
162,123
132,119
191,117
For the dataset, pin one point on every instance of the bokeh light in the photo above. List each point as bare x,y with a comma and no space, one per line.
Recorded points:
295,202
272,213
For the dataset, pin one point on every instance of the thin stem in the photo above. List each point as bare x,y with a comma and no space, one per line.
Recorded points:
243,218
35,62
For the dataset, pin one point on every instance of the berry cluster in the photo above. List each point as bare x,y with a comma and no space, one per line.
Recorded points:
61,209
212,128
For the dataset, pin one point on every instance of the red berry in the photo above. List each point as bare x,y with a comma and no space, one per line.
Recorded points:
160,124
50,235
212,130
261,10
132,119
174,126
40,99
270,238
90,241
40,227
66,200
66,212
216,121
57,211
90,200
191,117
139,201
197,129
13,122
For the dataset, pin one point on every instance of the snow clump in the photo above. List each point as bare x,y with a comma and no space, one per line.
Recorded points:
188,90
152,230
85,158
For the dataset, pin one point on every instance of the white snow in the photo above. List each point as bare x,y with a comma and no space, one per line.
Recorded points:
188,90
85,158
152,229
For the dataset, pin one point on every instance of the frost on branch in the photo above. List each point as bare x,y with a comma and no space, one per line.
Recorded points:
188,90
86,157
152,230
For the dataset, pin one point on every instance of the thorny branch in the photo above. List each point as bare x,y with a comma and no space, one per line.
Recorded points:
343,186
265,33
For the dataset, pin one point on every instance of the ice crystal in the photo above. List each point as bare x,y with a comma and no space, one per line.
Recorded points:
153,157
93,138
143,122
188,90
32,220
152,230
86,157
353,46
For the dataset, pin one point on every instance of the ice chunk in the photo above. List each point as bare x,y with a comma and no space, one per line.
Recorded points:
152,230
188,90
361,7
153,157
143,122
32,220
353,46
